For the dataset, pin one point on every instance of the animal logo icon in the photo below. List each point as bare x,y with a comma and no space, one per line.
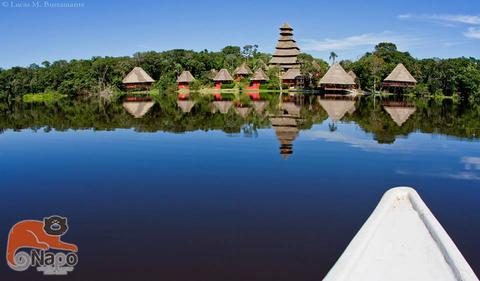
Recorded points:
40,235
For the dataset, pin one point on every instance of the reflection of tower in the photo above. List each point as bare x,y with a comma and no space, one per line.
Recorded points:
285,124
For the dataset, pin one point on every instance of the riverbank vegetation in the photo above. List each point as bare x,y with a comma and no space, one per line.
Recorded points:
98,76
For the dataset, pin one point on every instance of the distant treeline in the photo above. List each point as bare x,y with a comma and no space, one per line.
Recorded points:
446,77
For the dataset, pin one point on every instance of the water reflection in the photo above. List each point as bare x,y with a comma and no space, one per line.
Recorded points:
399,111
138,108
384,120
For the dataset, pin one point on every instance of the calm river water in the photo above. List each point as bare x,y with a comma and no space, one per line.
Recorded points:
200,190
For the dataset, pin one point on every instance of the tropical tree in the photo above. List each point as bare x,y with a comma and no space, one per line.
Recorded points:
333,56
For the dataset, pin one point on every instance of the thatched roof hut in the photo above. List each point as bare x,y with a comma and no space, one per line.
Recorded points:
186,105
259,76
400,77
138,108
137,76
185,77
223,76
242,70
337,108
286,51
337,78
400,114
222,106
291,74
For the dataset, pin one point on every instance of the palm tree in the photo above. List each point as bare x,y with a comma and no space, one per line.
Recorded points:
333,56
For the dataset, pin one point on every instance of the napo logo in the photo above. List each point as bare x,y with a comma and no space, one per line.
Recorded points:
41,237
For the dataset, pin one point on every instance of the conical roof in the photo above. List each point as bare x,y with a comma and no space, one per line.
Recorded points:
260,106
222,106
291,74
400,74
185,105
137,75
260,75
243,69
400,114
286,26
223,75
185,77
138,108
243,111
336,75
336,109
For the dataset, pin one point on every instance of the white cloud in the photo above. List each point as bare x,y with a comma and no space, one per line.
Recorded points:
472,33
443,18
471,162
367,39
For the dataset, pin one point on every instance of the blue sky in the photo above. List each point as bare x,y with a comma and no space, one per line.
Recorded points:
350,28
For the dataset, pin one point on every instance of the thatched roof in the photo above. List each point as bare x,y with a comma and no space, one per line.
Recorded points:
222,106
260,106
138,108
287,52
286,45
336,75
286,26
336,109
185,105
353,75
291,74
400,74
185,77
137,75
400,114
243,69
284,61
223,75
243,111
260,76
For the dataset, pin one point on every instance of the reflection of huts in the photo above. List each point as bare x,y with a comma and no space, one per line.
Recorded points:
400,77
137,79
222,77
185,79
293,77
337,108
243,111
242,71
185,105
260,106
290,108
138,108
399,112
222,106
286,129
258,78
337,79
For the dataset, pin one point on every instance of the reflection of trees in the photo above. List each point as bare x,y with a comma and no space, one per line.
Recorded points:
431,116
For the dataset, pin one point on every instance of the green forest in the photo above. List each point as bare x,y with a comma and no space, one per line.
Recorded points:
456,77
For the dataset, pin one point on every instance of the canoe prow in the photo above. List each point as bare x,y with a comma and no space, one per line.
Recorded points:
401,240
